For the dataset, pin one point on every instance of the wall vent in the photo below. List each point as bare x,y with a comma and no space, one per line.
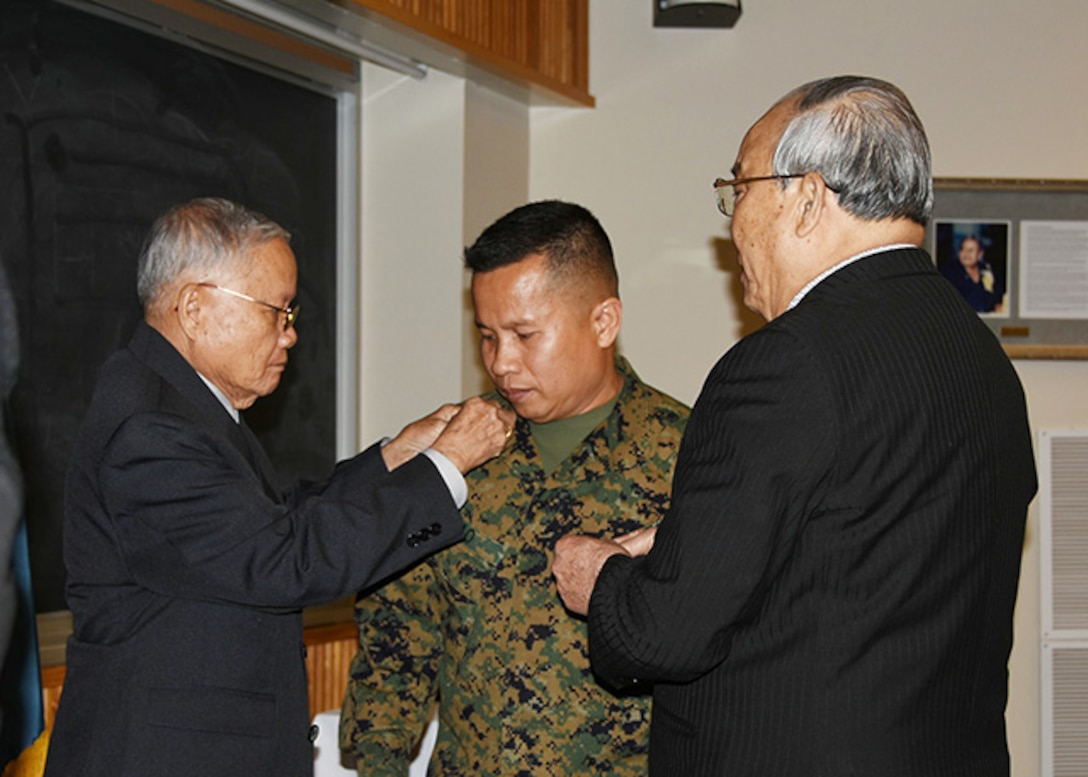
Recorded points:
1063,541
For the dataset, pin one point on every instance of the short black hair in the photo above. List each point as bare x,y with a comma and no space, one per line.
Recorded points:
574,242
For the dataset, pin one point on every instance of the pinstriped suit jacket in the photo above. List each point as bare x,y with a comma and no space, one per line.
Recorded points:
832,590
187,569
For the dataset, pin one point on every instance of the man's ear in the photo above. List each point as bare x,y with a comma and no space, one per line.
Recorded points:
811,202
606,317
189,309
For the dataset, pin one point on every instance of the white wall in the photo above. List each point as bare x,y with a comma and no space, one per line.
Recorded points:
998,86
496,180
441,159
413,142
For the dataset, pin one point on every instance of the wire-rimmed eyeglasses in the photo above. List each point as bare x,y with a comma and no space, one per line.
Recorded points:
290,313
726,192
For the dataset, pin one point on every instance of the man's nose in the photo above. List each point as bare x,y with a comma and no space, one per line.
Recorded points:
505,358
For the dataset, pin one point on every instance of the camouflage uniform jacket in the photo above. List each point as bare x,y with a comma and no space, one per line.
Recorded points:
480,627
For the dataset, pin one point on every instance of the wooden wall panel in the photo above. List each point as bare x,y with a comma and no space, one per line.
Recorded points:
329,651
540,42
52,685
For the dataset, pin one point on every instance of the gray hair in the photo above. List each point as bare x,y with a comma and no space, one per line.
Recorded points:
864,138
205,235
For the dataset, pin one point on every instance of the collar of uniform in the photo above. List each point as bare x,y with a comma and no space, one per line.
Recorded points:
523,427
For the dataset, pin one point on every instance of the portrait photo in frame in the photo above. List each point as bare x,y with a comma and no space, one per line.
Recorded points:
974,256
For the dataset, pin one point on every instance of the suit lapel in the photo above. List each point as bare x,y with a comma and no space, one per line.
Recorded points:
259,460
197,402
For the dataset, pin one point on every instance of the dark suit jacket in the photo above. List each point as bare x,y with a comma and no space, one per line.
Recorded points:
11,480
188,566
832,590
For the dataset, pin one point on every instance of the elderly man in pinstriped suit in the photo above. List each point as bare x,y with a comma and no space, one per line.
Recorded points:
831,591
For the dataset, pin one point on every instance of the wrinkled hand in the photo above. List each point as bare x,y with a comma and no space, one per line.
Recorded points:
578,562
477,433
417,436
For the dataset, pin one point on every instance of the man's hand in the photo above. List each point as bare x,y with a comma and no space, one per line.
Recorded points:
417,436
578,561
478,432
639,542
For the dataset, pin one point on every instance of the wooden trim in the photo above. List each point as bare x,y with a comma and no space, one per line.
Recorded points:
259,33
1019,184
329,653
541,43
1072,352
537,46
52,685
336,632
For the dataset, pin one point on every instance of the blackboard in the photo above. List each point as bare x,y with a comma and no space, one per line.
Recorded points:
103,127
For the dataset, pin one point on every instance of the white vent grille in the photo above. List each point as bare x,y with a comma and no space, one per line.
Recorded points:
1065,709
1063,535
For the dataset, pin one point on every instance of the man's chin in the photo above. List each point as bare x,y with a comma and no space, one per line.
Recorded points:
528,412
268,388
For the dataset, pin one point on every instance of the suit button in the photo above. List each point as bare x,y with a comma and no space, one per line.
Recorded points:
314,731
414,540
435,529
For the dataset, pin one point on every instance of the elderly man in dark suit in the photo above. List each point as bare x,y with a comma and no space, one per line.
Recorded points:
831,592
188,562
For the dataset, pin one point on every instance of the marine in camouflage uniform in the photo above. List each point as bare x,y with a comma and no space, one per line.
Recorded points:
480,627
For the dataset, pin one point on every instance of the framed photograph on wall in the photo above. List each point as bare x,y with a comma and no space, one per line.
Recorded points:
974,256
1018,251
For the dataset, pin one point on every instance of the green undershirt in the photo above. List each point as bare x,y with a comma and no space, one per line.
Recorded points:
555,440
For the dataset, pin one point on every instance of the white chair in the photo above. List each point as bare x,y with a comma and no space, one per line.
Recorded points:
330,762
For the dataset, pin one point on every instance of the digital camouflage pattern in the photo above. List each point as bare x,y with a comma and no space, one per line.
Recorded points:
480,627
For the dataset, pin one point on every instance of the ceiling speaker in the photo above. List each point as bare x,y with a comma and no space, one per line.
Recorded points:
681,13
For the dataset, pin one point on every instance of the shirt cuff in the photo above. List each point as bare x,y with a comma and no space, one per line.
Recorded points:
455,481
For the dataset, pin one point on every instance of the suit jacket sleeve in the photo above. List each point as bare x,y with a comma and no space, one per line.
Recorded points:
193,520
758,441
